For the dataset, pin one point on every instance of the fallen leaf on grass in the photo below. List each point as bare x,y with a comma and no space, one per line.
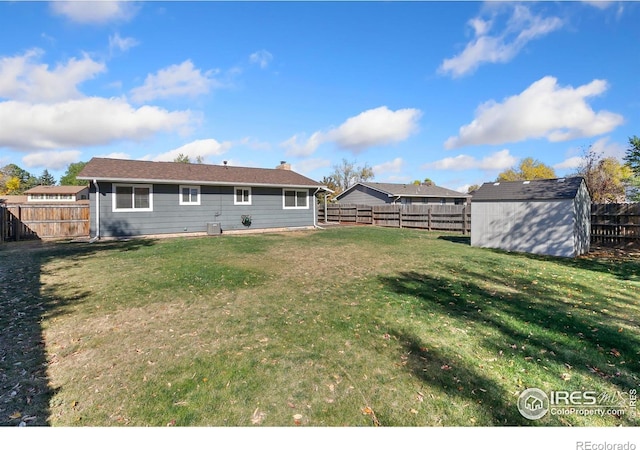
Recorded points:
297,419
565,376
257,417
15,415
445,367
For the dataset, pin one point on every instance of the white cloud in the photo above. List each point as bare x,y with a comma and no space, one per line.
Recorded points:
521,28
84,122
116,155
374,127
201,147
176,80
263,58
52,159
25,78
121,44
496,161
253,143
394,166
95,12
309,165
570,163
601,146
379,126
297,146
543,110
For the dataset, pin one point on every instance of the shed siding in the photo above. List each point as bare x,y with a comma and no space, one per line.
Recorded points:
216,205
362,195
540,227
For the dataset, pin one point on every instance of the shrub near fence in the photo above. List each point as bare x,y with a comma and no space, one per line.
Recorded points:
454,218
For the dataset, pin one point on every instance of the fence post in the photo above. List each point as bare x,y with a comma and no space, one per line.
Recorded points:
400,216
17,227
429,219
2,225
464,220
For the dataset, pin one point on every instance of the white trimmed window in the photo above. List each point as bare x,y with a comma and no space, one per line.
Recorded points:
189,195
132,197
295,199
242,196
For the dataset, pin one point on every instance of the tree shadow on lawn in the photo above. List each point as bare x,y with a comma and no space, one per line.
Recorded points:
25,303
532,327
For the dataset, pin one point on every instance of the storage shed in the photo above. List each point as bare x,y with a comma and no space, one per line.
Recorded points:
546,217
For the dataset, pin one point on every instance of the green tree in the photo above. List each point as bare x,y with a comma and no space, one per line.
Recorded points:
473,187
632,155
69,177
182,158
16,180
46,179
528,169
632,159
346,174
607,178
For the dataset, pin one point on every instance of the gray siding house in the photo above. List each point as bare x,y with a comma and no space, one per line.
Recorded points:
138,198
366,193
547,217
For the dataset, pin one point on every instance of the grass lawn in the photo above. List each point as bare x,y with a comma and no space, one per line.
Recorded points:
354,326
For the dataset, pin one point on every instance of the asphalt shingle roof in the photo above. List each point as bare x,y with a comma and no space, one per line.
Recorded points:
552,189
107,169
413,190
55,190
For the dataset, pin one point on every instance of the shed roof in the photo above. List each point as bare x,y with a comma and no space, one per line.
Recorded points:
551,189
55,190
107,169
409,190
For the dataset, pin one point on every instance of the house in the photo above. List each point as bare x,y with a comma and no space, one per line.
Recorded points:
136,198
366,193
547,217
56,194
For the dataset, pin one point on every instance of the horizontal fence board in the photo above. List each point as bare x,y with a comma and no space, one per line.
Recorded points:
453,218
611,223
23,221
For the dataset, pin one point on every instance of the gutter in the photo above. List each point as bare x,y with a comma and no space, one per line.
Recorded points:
97,236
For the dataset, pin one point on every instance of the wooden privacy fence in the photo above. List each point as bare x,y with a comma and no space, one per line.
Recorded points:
611,224
454,218
19,222
615,223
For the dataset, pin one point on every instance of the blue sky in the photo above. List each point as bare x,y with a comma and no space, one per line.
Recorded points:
452,91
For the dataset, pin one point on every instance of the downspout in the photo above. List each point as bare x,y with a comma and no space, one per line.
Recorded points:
315,210
97,236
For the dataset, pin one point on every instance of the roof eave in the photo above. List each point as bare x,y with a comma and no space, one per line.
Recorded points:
198,182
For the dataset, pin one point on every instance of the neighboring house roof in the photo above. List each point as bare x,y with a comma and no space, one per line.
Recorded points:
12,199
73,190
408,190
106,169
552,189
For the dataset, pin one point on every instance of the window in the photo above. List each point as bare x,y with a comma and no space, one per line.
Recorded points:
132,197
242,196
189,195
295,199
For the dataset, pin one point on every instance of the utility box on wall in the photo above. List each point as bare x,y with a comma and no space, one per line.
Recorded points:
214,229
